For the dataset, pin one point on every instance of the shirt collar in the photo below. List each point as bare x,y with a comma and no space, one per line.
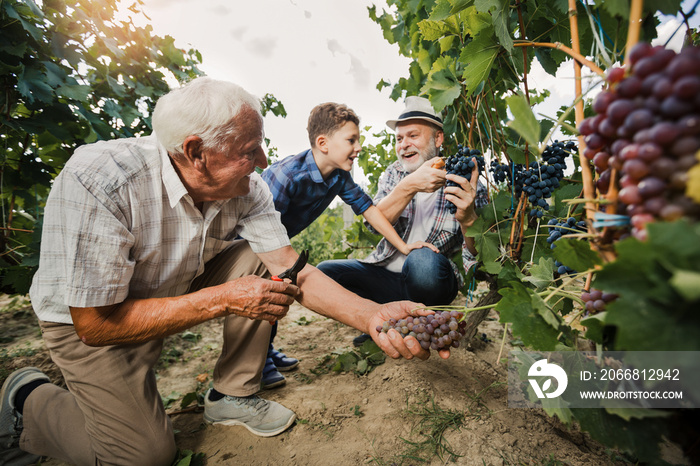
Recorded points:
173,185
316,176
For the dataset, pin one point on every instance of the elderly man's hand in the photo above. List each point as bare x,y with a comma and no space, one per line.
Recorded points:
463,196
392,343
426,178
257,298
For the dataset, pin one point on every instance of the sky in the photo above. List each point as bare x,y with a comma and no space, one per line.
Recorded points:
306,52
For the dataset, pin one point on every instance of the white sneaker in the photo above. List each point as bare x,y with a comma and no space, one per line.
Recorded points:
261,417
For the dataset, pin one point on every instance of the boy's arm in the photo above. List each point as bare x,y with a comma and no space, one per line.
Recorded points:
379,222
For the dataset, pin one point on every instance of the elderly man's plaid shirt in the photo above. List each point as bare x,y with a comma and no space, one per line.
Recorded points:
445,232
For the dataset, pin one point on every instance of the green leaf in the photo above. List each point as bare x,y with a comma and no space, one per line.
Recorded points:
635,412
500,12
441,10
78,92
31,84
30,28
529,316
442,85
562,194
479,56
640,437
541,274
188,399
687,284
487,246
544,56
432,30
619,8
524,122
576,254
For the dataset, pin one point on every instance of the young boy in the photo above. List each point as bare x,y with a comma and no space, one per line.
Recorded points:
305,184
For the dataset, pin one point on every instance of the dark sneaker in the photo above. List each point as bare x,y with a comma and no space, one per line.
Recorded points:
11,421
261,417
281,361
271,377
359,340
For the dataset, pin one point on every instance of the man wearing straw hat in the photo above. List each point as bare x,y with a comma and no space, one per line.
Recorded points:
413,197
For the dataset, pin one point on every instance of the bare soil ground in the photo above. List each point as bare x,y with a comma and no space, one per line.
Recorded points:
345,419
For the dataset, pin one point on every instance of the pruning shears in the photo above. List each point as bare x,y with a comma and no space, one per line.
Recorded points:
291,273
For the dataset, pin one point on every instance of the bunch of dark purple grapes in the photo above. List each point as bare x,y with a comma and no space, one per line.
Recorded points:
557,231
647,127
596,300
436,331
461,164
539,180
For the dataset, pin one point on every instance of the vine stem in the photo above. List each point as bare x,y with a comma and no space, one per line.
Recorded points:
463,309
586,172
573,53
503,343
560,288
516,223
635,25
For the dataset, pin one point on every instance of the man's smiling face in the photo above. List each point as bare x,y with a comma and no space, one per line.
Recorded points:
416,142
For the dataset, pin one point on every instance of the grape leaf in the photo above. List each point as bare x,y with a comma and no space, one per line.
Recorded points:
637,436
576,254
478,56
524,122
442,85
529,316
542,273
487,246
432,30
687,284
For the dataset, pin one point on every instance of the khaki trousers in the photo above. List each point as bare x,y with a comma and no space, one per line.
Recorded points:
112,412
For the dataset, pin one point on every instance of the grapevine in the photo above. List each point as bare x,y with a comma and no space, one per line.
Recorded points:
636,175
560,229
539,180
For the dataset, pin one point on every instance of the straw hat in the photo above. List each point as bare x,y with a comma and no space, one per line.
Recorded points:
417,108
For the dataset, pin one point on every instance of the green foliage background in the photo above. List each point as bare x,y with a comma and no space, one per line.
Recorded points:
468,59
71,74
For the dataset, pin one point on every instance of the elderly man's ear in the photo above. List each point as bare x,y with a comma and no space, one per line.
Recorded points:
439,139
193,150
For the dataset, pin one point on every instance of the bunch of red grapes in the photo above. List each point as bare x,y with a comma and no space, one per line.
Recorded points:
444,329
596,301
647,127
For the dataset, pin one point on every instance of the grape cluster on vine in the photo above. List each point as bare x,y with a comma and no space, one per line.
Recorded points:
461,164
559,229
444,329
595,301
539,180
647,128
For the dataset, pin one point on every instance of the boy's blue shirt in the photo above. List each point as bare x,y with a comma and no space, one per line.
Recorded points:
301,194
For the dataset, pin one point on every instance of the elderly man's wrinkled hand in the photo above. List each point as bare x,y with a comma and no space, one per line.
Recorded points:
428,179
392,343
257,298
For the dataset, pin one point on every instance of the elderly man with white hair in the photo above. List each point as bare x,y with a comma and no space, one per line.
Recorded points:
141,240
412,195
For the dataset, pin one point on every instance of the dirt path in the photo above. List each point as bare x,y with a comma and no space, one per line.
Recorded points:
345,419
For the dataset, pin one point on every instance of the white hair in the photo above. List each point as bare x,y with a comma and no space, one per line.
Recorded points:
204,107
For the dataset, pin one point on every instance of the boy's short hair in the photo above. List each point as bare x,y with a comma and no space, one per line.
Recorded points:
326,119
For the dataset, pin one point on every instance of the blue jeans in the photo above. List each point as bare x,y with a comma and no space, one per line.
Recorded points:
426,278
